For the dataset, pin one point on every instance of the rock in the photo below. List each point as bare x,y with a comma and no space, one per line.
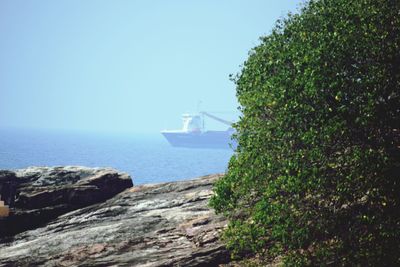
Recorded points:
8,185
167,224
37,195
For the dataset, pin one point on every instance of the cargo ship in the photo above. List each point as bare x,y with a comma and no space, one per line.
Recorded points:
193,134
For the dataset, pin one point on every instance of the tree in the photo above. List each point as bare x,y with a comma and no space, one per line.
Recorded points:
316,175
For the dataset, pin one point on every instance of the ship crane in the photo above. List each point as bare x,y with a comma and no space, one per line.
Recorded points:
229,123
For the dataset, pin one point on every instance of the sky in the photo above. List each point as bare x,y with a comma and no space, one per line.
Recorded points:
125,66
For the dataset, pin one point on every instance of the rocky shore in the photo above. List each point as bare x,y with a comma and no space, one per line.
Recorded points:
75,216
37,195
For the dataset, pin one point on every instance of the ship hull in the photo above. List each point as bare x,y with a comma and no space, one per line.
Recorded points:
208,139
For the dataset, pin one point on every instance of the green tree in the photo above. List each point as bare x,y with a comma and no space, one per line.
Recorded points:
316,175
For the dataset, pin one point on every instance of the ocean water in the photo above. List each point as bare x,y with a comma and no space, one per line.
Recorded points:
147,158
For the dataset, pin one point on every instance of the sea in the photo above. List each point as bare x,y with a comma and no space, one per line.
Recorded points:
148,158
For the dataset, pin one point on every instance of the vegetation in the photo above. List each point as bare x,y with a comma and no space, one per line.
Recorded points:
316,176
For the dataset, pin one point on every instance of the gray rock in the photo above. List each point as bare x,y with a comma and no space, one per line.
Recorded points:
37,195
167,224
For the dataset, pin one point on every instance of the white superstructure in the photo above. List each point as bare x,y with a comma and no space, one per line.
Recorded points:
192,123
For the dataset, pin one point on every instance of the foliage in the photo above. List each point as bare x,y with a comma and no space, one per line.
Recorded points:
316,173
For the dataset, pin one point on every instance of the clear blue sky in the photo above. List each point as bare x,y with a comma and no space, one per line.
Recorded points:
124,65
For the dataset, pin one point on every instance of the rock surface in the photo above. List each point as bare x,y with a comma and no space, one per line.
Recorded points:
37,195
166,224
